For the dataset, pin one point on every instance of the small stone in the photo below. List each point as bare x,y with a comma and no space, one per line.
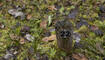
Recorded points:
16,13
15,52
29,37
76,37
1,26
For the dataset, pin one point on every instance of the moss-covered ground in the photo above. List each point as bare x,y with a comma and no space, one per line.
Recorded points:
41,15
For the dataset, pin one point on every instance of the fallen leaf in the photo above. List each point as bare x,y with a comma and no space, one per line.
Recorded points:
1,4
14,37
22,41
79,56
29,16
51,38
52,7
99,47
93,28
1,26
43,24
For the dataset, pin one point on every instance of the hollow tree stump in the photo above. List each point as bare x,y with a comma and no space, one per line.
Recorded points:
64,34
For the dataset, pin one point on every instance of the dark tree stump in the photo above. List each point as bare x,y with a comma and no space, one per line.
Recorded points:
64,34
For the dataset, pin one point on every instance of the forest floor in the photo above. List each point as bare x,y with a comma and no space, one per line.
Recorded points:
27,29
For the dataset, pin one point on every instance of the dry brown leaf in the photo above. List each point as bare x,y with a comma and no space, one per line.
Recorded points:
1,4
52,7
94,28
14,37
22,41
99,47
43,24
79,57
1,26
29,16
51,38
